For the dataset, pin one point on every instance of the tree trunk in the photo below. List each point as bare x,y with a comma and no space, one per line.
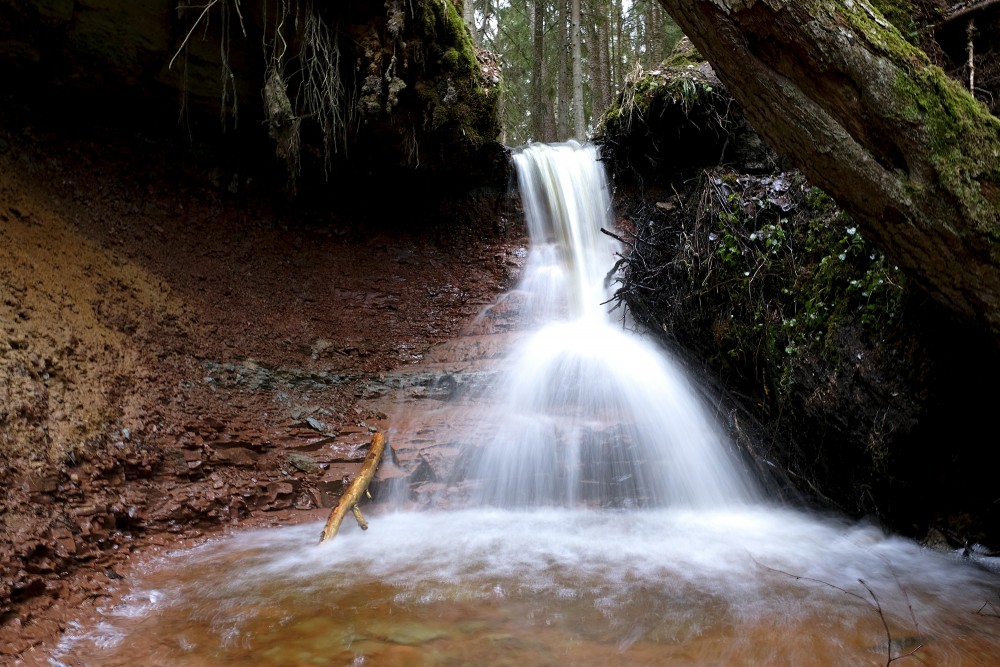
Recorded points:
487,8
599,56
618,16
538,72
563,127
579,129
650,31
604,44
469,16
907,151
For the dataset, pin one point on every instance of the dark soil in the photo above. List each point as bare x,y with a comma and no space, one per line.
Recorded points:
176,346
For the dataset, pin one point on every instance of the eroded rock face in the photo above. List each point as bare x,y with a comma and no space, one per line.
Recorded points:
121,259
330,89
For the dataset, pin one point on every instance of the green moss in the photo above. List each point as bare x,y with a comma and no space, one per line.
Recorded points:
684,57
683,86
444,28
900,14
450,59
459,108
962,141
887,39
961,138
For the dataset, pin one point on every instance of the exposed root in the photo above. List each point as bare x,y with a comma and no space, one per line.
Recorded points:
229,105
319,92
322,94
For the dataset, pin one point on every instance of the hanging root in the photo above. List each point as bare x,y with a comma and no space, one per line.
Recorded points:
315,90
229,100
322,95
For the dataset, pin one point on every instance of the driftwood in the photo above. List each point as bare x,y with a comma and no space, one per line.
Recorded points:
349,500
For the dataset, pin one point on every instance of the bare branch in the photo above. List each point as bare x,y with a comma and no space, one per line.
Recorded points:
873,603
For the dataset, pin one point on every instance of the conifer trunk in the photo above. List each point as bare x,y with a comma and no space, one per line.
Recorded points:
579,131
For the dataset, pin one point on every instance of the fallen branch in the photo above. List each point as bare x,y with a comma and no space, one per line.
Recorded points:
874,604
964,9
615,237
349,500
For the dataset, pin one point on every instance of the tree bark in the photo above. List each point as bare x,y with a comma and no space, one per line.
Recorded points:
600,57
469,17
650,46
564,75
538,74
907,151
618,16
579,130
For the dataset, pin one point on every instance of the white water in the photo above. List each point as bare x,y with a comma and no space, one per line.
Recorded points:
549,568
585,411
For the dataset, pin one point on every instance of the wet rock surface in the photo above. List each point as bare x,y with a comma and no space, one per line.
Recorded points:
179,360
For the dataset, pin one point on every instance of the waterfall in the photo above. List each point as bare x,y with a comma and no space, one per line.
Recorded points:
586,412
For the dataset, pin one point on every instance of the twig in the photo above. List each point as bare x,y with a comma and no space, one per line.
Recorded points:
799,577
993,610
616,237
873,603
888,649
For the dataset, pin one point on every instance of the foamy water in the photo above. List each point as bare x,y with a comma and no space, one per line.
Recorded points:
554,586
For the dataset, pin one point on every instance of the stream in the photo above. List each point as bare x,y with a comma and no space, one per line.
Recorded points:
562,497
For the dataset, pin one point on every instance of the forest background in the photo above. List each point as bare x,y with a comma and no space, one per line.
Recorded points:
565,61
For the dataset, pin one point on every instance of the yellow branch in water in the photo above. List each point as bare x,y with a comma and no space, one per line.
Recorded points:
349,500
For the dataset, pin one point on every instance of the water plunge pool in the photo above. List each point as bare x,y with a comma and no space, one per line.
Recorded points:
553,587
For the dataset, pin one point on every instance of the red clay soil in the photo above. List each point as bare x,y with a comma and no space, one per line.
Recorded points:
174,349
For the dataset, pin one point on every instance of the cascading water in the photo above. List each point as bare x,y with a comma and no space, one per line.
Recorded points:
584,411
541,566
